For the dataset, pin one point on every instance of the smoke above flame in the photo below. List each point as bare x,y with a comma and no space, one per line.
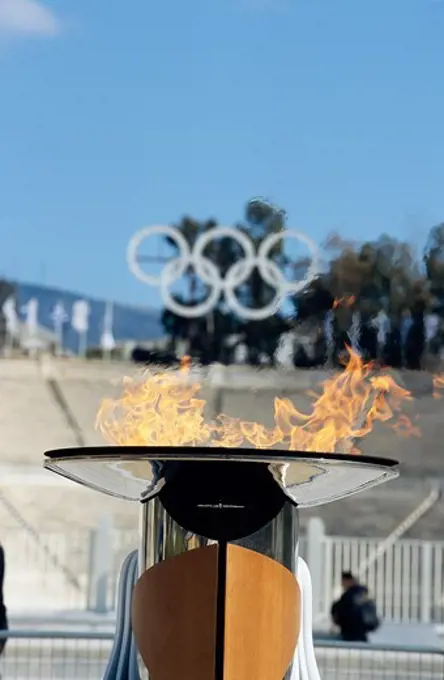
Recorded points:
164,409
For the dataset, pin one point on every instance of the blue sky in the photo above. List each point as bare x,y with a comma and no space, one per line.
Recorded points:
116,115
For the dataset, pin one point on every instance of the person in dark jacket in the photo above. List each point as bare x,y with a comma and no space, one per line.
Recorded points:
415,342
368,338
3,615
345,612
392,351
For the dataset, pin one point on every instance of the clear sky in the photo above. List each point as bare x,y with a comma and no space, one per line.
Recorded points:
115,115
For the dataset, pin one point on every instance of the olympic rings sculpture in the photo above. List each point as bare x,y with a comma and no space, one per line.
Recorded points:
236,275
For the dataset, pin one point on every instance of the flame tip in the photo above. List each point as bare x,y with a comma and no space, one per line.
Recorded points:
164,408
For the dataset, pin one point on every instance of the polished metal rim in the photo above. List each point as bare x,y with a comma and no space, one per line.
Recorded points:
202,453
139,473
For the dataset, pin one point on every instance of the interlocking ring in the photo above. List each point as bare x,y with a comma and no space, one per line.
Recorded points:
236,275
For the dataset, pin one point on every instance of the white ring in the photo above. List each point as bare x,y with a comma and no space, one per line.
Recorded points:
244,241
234,277
251,313
271,240
196,310
136,241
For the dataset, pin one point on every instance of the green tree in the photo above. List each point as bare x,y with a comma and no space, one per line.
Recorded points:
261,220
434,263
373,275
207,335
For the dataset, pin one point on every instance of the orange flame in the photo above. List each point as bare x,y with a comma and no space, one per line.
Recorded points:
164,409
185,362
438,384
347,301
405,428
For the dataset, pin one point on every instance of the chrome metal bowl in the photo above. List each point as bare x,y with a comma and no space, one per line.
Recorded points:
138,473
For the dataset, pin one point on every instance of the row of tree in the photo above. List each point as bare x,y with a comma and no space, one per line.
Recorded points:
379,274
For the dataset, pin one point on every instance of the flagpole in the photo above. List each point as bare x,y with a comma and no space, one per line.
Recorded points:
59,336
82,344
9,310
31,309
9,344
59,317
106,354
80,322
108,343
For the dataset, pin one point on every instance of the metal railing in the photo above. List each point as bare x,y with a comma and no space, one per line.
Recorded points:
407,581
54,655
383,548
36,583
353,661
63,655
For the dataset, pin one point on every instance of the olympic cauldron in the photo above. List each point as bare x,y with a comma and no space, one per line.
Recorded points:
218,595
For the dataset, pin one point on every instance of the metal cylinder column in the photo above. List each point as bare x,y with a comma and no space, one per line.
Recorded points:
161,538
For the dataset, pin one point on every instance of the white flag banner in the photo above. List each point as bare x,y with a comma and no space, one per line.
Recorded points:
9,310
108,342
59,318
80,316
354,332
431,326
284,353
329,333
329,328
80,313
382,325
241,354
31,311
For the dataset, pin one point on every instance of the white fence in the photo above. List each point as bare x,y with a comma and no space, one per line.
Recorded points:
79,570
64,571
407,580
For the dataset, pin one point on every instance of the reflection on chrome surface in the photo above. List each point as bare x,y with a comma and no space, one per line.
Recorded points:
279,539
161,537
139,473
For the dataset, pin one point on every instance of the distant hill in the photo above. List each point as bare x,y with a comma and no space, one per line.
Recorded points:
129,323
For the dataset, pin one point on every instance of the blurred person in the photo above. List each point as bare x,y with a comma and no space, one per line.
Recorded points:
329,335
415,341
301,358
383,328
320,350
404,329
354,332
392,350
367,337
342,324
341,351
355,612
284,354
3,614
432,325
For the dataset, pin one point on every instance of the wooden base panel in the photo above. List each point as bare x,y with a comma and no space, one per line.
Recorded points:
181,634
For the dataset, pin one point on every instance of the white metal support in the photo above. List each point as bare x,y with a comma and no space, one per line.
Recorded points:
401,529
315,547
426,592
305,666
99,567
